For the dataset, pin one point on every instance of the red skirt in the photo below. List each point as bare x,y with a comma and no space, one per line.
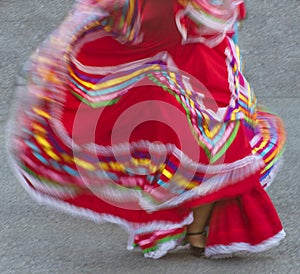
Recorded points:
140,134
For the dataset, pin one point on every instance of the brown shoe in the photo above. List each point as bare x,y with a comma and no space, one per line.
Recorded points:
195,250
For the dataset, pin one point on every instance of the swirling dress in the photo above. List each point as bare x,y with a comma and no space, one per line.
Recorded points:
135,112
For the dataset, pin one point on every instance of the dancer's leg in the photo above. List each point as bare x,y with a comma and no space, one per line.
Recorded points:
201,215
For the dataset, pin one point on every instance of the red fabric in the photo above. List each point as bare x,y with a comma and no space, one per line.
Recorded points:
248,218
242,213
243,12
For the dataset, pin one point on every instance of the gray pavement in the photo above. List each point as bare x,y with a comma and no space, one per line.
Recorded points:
36,239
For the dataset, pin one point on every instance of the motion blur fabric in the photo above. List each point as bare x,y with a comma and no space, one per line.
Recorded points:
134,112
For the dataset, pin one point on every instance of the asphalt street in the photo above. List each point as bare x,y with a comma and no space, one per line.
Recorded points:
37,239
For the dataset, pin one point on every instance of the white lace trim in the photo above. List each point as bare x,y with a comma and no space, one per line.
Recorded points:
225,251
213,184
215,252
102,217
162,250
213,27
131,227
268,180
222,175
96,70
220,251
